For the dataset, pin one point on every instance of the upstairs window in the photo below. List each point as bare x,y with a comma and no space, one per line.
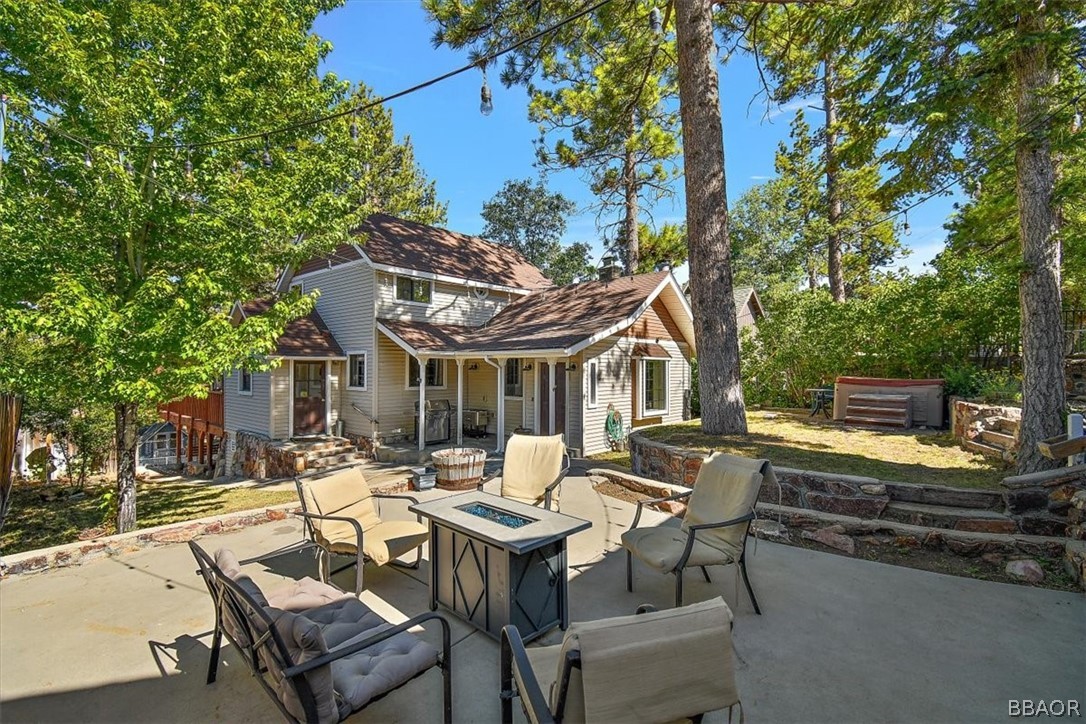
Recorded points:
514,380
435,373
356,371
416,291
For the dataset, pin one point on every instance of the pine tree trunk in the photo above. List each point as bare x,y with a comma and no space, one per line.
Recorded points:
721,391
127,442
629,223
1043,401
833,191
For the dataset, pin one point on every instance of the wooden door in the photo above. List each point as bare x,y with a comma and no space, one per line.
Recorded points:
309,403
545,399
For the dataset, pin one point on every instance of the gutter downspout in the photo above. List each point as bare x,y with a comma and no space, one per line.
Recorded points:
500,427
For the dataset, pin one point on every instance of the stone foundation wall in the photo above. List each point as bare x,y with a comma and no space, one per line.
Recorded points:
256,458
1032,504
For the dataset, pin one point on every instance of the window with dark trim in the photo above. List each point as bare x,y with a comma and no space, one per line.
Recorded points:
514,380
245,381
409,289
435,372
356,371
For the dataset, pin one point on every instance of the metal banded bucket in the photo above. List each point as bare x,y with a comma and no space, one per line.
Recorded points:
459,468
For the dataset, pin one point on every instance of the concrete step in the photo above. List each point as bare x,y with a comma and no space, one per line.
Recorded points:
946,496
998,439
988,451
316,444
328,452
875,421
942,516
331,461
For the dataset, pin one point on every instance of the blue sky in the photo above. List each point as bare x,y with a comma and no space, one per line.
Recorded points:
386,45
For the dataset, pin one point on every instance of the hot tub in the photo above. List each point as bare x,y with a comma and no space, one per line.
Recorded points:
926,404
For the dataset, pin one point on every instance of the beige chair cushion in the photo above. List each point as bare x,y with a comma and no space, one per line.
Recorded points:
305,594
682,658
344,493
726,488
531,464
661,547
392,538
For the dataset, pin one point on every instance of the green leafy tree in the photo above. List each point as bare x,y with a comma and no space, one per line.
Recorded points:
602,90
126,239
956,76
767,252
665,245
532,220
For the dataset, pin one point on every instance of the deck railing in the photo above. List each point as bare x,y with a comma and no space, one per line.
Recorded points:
208,409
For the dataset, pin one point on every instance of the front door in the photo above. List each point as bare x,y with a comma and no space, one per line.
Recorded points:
309,398
545,399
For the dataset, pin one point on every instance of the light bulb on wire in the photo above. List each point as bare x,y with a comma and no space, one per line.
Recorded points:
656,22
486,100
188,163
267,153
354,127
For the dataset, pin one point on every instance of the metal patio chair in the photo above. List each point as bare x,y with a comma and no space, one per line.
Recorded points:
533,470
714,530
658,666
341,519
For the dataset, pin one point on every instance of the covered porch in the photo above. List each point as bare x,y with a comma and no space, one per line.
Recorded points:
485,396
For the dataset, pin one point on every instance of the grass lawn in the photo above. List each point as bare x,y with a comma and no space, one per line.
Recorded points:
794,440
34,522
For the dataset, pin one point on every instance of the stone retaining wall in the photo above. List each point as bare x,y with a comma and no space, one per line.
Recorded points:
257,458
1034,504
74,554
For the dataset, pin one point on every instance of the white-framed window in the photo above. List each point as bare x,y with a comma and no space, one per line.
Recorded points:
415,291
514,378
245,382
593,383
654,382
357,371
435,373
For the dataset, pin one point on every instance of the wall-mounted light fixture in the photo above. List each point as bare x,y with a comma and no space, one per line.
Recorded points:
527,367
473,366
571,366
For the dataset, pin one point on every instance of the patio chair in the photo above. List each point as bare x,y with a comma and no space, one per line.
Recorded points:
714,530
533,470
319,664
341,518
660,666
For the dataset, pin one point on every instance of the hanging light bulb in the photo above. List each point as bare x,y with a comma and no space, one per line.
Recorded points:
267,153
87,160
188,163
656,22
486,102
1076,122
905,226
354,126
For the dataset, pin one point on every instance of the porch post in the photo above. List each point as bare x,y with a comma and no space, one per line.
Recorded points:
422,403
551,367
459,401
500,428
327,397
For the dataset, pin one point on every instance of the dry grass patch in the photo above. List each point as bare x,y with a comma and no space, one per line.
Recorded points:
43,516
794,440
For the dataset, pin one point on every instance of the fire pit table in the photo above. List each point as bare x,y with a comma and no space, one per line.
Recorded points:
496,561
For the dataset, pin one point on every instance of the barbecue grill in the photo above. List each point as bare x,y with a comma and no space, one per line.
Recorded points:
437,420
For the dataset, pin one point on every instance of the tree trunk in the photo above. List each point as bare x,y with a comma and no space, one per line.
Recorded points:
127,442
1043,401
629,224
833,191
721,391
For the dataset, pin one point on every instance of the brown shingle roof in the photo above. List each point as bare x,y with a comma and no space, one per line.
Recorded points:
552,319
409,245
306,336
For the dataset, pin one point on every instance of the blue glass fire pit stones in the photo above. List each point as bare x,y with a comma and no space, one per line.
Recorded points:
497,515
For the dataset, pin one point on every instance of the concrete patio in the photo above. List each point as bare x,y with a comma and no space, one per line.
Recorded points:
842,640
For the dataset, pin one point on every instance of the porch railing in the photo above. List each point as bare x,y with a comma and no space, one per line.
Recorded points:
209,408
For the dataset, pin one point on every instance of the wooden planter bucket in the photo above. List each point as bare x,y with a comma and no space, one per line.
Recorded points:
459,468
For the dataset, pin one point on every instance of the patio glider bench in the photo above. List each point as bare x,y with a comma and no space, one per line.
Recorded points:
533,470
319,653
341,519
715,528
655,666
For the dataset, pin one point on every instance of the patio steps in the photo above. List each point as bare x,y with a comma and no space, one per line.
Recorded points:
950,518
879,410
326,452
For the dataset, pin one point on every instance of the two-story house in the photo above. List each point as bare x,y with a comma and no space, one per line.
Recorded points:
416,317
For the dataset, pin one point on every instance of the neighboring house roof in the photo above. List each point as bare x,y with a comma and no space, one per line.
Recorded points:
564,319
306,336
393,244
741,295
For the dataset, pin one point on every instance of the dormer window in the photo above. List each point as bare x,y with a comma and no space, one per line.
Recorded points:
416,291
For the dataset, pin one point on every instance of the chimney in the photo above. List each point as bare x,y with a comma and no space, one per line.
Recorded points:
663,266
609,270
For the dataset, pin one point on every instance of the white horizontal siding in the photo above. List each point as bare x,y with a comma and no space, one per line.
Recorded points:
449,304
575,403
398,404
250,413
346,305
